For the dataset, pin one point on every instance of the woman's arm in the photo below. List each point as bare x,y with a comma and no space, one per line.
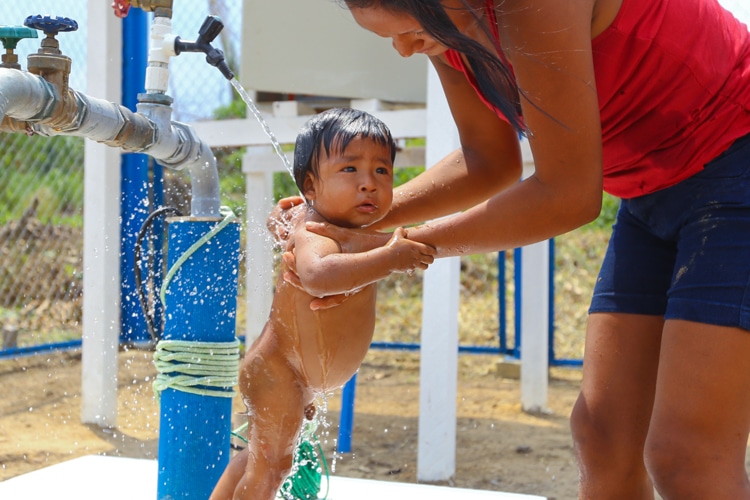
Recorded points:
548,42
488,162
323,270
549,45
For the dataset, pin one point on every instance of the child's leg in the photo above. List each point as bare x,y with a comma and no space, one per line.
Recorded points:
224,489
276,401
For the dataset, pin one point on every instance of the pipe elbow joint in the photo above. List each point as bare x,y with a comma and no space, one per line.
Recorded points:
177,146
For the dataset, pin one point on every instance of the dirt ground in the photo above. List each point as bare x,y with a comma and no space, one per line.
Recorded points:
499,447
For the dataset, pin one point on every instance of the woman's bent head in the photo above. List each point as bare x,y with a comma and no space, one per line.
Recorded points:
431,27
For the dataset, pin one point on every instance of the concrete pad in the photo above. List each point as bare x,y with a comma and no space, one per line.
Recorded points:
95,477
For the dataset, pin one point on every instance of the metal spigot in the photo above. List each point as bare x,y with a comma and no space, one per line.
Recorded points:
10,36
159,7
209,30
54,66
49,62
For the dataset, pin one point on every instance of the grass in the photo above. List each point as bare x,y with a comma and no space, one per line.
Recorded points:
577,258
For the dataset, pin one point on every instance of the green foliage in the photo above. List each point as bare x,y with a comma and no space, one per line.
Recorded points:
610,205
231,178
283,186
402,175
235,109
46,169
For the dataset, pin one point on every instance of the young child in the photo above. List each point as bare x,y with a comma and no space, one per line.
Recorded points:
343,165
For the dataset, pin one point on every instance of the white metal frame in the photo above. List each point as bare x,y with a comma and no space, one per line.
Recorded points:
101,230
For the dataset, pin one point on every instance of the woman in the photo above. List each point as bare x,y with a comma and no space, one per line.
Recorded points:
649,100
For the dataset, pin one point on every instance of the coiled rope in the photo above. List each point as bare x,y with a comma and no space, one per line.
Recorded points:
204,368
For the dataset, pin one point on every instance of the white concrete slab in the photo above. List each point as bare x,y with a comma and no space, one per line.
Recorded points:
95,477
86,478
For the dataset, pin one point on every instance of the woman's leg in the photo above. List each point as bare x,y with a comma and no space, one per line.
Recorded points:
697,440
610,420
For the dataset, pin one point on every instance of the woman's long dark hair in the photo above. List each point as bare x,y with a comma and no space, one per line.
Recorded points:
494,77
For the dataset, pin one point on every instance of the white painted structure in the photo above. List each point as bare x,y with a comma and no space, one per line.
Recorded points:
116,478
438,367
101,230
316,48
534,326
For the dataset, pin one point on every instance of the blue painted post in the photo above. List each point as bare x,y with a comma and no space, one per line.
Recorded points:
201,302
346,422
502,303
517,260
551,312
134,184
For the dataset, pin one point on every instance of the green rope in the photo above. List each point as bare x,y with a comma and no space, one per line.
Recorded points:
305,480
229,217
205,368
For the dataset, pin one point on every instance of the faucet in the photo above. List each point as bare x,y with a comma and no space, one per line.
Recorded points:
10,36
39,101
209,30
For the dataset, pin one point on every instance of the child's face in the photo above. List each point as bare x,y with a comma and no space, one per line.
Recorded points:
354,187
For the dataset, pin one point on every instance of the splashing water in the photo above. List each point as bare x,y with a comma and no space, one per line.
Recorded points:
254,110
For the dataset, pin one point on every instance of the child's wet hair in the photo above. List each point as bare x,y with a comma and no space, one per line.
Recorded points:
333,130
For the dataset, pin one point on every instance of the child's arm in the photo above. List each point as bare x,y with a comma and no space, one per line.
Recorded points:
323,270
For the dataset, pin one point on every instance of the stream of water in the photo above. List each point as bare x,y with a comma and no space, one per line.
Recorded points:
254,110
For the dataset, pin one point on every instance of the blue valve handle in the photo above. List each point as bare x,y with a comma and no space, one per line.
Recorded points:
51,25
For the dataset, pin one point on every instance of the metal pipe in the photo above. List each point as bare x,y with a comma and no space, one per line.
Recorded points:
23,96
28,102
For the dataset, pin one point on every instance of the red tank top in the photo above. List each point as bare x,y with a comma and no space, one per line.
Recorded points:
673,80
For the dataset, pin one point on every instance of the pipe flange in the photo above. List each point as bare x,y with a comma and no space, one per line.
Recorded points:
155,98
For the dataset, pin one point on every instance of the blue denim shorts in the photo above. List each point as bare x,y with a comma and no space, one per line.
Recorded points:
684,252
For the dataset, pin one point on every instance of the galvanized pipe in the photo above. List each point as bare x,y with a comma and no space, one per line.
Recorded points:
28,102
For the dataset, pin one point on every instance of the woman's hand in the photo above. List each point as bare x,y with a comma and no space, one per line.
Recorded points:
283,216
408,255
350,240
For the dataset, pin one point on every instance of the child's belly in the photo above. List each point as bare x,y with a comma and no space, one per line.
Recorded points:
333,342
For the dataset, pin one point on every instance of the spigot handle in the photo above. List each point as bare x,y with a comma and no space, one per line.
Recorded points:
121,7
11,35
51,26
209,30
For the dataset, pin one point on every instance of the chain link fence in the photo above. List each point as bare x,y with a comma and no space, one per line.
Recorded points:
41,178
41,198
